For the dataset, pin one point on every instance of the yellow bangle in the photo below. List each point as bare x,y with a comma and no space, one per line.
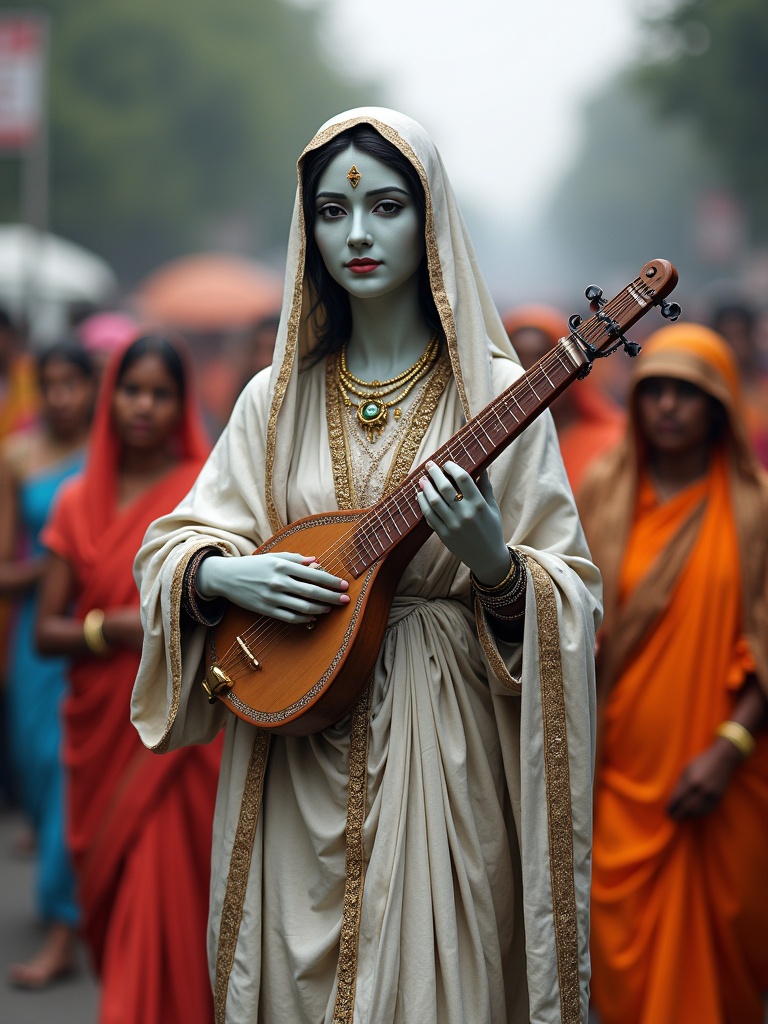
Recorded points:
736,734
513,568
93,632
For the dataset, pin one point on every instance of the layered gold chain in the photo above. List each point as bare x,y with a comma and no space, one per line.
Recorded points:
374,405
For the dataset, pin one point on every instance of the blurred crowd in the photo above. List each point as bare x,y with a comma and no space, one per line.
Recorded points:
104,431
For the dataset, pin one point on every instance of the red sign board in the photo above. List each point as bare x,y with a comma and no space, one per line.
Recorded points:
22,69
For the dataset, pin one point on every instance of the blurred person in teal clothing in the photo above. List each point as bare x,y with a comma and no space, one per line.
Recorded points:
34,462
18,409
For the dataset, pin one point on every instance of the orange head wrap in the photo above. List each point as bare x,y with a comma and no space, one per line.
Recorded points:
695,354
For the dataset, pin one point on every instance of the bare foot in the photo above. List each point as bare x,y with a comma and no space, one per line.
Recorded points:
54,961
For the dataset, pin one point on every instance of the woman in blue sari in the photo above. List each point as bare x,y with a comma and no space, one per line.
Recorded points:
33,465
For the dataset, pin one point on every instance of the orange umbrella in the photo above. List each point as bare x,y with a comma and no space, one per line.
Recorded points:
209,291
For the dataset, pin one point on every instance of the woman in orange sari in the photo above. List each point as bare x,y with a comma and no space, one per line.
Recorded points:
139,826
676,520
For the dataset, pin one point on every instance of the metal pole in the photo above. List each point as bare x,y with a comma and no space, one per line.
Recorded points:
35,190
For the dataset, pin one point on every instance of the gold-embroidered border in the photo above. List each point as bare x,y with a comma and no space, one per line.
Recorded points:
281,385
558,786
495,660
344,1006
174,640
341,460
239,869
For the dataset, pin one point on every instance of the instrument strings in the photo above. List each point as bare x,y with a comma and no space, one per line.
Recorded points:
268,631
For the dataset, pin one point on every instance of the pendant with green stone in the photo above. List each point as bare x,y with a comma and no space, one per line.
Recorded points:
372,415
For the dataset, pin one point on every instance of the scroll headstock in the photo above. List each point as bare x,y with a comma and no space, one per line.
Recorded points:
603,333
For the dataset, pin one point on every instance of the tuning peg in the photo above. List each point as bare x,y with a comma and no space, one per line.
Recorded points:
671,310
595,296
632,348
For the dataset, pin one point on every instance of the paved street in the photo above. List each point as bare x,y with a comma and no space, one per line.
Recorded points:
72,1001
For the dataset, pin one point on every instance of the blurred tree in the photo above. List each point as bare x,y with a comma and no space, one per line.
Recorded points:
632,191
706,60
176,124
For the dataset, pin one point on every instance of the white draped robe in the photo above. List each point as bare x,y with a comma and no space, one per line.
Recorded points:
457,921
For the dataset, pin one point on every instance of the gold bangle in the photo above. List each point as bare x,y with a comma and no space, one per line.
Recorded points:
738,735
93,633
513,568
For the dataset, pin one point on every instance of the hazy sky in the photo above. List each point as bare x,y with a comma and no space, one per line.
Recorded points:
497,83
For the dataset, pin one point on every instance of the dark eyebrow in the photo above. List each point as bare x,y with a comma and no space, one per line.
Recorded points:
373,192
390,188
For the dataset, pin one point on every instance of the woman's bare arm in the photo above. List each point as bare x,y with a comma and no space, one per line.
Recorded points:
16,575
57,632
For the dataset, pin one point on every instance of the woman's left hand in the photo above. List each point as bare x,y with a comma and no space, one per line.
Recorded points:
704,780
466,518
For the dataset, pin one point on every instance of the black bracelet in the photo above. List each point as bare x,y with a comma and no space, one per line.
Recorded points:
509,591
199,609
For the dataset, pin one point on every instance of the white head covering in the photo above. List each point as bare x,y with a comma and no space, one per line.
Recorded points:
472,325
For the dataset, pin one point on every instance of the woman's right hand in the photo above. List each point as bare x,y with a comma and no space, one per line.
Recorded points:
283,585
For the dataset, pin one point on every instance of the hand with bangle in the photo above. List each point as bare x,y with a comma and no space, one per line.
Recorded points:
466,518
738,735
505,601
705,779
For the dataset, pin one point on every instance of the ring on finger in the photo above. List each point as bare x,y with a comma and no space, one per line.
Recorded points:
458,496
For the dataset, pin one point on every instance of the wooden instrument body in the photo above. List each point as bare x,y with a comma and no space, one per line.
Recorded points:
309,678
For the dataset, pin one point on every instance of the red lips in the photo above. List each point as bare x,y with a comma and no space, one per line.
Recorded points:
364,266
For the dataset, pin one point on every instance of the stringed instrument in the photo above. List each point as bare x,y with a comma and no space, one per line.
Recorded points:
301,678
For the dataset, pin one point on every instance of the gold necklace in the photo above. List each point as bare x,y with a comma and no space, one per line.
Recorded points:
373,409
426,357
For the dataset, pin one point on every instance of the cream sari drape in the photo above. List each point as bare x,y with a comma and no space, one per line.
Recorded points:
471,785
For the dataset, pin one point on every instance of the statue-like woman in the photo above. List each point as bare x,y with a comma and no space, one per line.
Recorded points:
427,858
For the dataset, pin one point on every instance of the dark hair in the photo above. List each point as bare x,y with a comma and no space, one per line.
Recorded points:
335,325
67,352
155,345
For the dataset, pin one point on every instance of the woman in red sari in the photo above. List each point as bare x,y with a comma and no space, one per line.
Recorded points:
139,825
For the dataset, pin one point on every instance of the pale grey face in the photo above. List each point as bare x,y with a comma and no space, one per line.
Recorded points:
369,236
